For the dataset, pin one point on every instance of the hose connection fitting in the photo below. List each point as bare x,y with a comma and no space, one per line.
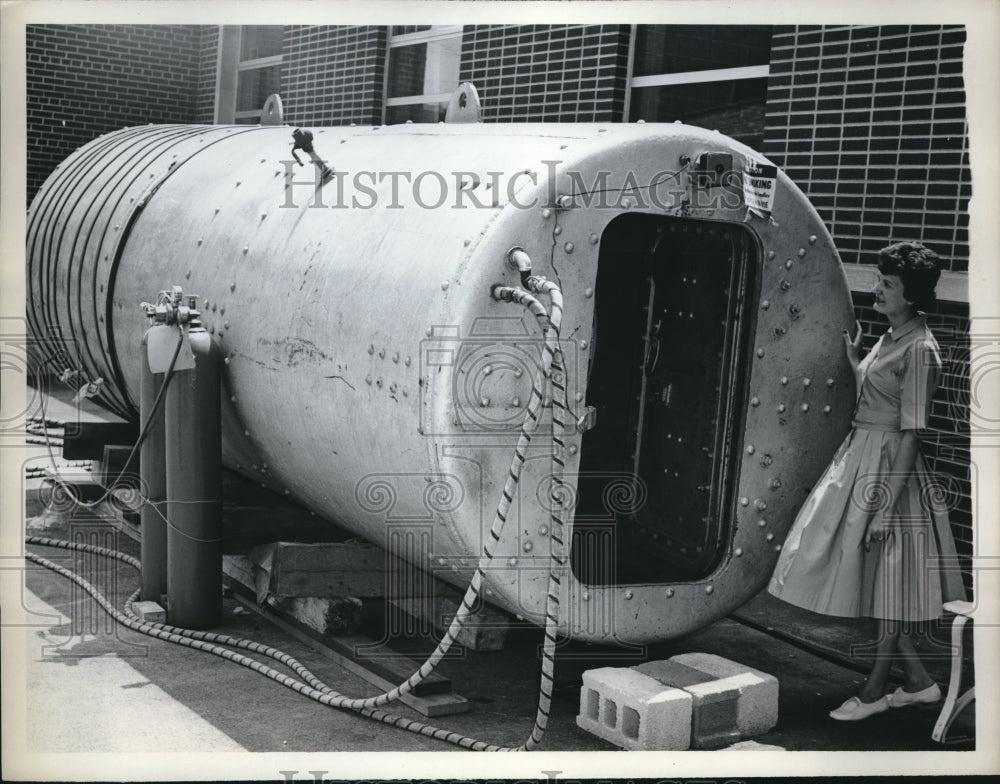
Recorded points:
170,308
86,389
502,293
89,390
518,259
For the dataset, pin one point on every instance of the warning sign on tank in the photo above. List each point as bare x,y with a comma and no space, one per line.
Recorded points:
760,181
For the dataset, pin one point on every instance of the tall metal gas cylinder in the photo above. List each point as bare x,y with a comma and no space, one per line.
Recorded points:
152,457
193,471
370,376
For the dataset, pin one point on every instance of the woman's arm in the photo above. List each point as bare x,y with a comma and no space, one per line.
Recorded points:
899,472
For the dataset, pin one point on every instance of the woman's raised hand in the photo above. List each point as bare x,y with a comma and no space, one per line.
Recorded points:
852,347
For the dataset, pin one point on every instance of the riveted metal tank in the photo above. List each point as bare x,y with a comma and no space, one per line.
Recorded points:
370,375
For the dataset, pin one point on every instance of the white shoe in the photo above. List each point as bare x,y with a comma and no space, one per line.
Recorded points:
901,698
855,710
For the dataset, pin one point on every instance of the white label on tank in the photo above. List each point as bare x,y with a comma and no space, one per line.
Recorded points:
760,181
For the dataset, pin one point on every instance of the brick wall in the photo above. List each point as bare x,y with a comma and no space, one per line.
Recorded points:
547,73
333,75
207,68
870,123
86,80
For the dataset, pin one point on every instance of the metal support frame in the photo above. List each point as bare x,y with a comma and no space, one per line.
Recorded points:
953,704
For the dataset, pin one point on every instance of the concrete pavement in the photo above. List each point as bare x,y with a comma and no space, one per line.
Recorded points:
98,684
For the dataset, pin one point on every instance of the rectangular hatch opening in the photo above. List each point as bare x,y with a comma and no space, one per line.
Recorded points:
667,378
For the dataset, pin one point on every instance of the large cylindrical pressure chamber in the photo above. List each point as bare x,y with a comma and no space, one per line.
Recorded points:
370,375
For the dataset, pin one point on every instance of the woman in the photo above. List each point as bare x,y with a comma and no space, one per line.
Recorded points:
872,538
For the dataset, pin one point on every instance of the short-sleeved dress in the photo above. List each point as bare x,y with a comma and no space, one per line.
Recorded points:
823,565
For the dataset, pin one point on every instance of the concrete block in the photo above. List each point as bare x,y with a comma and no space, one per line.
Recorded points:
150,611
634,711
714,702
757,705
326,616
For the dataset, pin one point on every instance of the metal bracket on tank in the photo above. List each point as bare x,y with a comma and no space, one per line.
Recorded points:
464,105
710,168
272,112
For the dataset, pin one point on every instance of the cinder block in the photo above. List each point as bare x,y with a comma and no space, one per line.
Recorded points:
714,702
714,720
757,705
634,711
150,611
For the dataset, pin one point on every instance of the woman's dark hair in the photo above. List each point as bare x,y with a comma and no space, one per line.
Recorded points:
918,267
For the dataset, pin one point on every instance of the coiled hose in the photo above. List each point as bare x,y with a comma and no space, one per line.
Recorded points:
550,371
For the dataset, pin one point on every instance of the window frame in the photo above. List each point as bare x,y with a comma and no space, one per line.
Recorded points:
706,76
229,68
436,33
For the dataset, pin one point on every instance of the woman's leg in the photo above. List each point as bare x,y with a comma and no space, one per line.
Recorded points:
888,637
917,677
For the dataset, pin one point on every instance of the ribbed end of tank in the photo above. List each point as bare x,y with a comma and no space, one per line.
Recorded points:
78,226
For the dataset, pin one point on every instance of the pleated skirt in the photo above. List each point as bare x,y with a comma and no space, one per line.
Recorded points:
824,565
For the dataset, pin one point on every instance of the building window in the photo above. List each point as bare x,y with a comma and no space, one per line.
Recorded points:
249,71
711,76
423,71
